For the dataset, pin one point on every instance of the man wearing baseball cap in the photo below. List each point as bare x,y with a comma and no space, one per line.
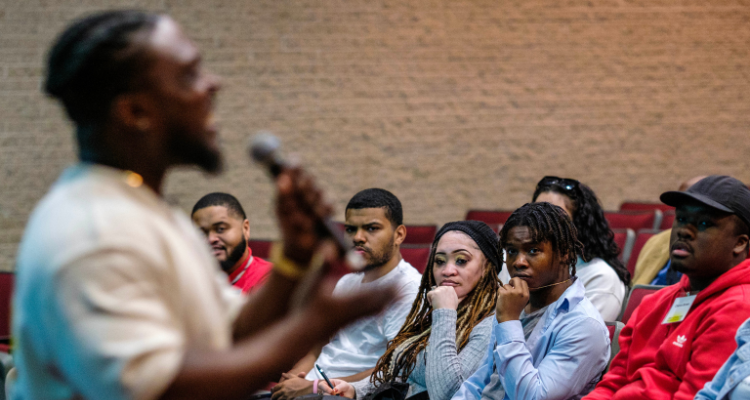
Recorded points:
679,337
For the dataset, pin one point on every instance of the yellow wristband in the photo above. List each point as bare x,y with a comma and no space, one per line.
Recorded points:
283,265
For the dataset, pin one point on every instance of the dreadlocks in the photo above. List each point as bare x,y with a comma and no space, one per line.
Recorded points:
400,358
546,223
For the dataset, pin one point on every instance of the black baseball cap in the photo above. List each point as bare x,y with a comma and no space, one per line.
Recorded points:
716,191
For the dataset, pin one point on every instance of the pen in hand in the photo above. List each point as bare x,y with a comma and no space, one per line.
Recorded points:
323,374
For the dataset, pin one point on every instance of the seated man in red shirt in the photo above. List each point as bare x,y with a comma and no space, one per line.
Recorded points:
680,336
221,217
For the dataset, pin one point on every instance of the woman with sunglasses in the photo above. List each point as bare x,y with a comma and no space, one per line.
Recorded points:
449,326
603,275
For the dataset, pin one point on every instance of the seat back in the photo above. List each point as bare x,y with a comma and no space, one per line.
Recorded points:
624,239
640,240
489,216
635,298
635,220
420,234
261,248
416,255
7,280
644,206
614,329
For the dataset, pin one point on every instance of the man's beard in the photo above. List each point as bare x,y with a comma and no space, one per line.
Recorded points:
193,152
380,259
234,256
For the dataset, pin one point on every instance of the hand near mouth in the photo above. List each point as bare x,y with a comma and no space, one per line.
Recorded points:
511,300
443,297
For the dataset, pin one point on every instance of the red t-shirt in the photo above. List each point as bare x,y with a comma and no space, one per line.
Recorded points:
251,274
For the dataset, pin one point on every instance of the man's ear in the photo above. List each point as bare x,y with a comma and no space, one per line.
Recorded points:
741,246
399,235
133,111
246,229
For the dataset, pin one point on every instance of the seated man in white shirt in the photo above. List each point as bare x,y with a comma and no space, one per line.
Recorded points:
374,222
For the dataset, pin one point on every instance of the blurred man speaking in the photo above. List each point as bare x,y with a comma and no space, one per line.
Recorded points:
117,295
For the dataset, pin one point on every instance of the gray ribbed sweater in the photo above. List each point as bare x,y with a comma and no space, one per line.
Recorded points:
445,370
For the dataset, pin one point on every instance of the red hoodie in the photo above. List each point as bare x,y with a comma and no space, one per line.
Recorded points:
674,361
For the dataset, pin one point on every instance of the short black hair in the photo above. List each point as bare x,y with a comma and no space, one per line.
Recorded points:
220,199
546,223
93,61
378,198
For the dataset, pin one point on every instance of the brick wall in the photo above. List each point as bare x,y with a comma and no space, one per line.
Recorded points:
449,104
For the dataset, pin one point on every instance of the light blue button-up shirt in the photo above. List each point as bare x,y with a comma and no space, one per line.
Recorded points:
733,379
563,358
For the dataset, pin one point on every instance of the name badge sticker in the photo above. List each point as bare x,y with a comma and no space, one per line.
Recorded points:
679,309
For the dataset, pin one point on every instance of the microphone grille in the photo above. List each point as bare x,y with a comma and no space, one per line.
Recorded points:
263,146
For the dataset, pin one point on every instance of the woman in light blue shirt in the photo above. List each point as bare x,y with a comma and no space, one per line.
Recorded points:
549,341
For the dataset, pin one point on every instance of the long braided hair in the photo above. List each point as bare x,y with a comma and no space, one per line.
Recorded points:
546,222
593,229
400,358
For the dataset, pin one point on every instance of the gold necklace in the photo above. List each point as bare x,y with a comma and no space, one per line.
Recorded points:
554,284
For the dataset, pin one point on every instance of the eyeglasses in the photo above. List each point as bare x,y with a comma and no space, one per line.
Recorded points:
563,183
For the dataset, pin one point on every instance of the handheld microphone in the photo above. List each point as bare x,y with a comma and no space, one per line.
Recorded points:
264,148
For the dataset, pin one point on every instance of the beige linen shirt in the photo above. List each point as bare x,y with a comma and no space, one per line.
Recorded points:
113,286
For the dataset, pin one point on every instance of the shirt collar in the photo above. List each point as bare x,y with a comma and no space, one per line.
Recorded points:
118,179
239,272
570,298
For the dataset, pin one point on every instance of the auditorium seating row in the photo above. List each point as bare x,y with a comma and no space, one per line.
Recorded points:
633,225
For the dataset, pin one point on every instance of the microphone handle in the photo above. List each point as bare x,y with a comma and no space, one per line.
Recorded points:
324,226
327,228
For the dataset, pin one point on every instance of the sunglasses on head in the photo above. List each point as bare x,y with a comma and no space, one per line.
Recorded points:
563,183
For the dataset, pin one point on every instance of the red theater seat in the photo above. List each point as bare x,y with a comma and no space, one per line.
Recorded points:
260,248
417,256
420,234
635,220
643,206
635,298
614,329
488,216
624,239
640,239
7,280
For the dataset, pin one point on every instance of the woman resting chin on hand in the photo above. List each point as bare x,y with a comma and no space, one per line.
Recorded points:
449,326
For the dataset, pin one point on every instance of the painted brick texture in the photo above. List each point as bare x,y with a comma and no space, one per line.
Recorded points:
451,105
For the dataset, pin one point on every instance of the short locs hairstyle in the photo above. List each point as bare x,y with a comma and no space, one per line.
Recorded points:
546,223
378,198
221,199
96,59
